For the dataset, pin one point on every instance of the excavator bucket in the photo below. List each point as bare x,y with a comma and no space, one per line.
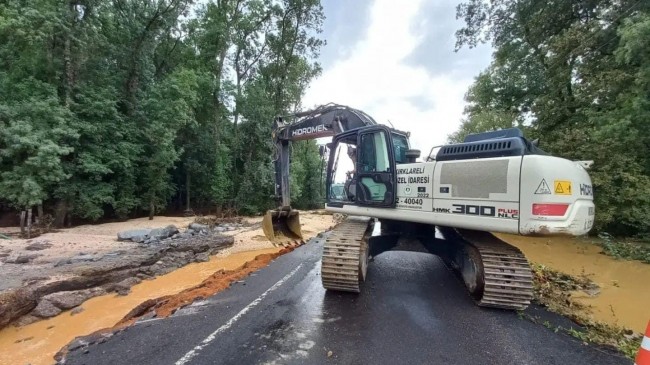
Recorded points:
282,226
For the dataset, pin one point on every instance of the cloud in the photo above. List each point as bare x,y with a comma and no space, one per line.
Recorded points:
345,24
393,73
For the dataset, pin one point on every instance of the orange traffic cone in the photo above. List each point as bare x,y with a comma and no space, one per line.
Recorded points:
643,357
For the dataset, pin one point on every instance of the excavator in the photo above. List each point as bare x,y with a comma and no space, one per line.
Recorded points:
449,205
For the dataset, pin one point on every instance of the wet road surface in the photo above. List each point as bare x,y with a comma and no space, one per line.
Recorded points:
412,310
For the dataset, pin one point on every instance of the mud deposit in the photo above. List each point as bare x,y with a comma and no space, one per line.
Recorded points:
38,342
624,294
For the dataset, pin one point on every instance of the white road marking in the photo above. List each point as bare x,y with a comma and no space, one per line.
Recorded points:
195,351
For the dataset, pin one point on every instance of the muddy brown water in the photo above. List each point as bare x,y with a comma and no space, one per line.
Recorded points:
38,342
624,297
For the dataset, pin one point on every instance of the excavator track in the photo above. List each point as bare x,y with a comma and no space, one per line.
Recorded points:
503,276
345,255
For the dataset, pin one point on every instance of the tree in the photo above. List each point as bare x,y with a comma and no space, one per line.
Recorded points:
563,71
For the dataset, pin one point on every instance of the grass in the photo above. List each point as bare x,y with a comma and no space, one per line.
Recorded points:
553,290
628,249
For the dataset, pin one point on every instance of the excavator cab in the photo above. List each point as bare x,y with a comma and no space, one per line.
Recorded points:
363,160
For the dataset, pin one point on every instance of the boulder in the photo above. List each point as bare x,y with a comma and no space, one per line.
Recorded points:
139,239
161,233
199,227
38,245
124,286
84,258
70,299
45,309
21,259
25,320
202,257
132,233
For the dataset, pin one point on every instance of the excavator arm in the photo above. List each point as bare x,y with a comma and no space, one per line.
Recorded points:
283,223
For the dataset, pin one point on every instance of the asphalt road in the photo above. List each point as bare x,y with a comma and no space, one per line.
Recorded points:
412,310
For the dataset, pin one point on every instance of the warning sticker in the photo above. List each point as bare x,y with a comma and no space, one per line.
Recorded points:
543,188
562,187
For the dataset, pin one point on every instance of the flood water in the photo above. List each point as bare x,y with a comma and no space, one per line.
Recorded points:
624,297
37,343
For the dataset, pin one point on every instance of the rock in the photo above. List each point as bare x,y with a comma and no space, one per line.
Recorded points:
185,235
38,245
16,303
151,241
161,233
130,234
202,257
70,299
592,291
199,227
176,236
25,320
22,259
124,286
63,262
45,309
174,244
76,311
220,229
139,239
84,258
143,276
190,231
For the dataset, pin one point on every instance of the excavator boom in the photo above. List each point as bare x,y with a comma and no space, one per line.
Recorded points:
282,225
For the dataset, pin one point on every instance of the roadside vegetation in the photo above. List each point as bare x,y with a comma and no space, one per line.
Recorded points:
553,290
625,249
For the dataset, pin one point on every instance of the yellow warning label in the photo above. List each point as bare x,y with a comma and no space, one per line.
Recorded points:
562,187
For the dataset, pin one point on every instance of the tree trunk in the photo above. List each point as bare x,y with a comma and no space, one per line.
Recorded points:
60,211
39,210
22,223
29,223
187,191
152,210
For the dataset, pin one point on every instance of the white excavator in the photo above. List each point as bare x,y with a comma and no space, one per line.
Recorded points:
447,205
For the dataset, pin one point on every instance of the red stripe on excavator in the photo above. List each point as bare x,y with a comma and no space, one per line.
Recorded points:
555,210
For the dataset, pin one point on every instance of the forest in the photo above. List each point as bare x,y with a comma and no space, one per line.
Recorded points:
576,75
122,108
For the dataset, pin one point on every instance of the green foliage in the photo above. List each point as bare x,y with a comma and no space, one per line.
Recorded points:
629,250
117,108
577,76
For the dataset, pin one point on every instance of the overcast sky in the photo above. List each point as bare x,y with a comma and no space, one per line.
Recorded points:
395,60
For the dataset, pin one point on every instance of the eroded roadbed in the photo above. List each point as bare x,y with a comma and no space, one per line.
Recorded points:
412,309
